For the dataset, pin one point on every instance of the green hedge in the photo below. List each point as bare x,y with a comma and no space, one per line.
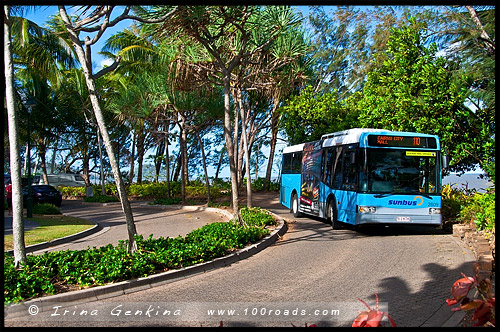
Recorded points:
480,209
98,266
101,199
194,188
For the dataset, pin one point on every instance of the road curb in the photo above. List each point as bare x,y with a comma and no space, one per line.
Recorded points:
129,286
44,245
194,208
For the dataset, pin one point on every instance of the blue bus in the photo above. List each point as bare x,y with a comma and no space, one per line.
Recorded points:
365,176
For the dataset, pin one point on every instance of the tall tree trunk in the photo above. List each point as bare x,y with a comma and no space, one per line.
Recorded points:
167,163
86,167
132,158
160,150
41,154
183,147
84,58
140,154
103,184
177,166
490,44
219,163
207,180
53,160
245,148
15,162
230,146
274,137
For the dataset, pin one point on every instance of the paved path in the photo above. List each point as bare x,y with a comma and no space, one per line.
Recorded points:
157,220
7,224
410,268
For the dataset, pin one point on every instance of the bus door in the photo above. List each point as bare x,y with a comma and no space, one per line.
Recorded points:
346,196
311,178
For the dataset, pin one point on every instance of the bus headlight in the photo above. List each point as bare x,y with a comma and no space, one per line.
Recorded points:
434,211
367,209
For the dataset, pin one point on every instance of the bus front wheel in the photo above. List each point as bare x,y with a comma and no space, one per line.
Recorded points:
295,206
332,215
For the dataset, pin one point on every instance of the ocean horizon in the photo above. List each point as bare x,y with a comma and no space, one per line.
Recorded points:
469,181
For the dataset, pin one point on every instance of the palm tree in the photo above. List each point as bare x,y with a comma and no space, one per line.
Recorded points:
227,34
15,165
97,22
38,55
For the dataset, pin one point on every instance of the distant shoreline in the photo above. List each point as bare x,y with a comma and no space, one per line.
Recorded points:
468,181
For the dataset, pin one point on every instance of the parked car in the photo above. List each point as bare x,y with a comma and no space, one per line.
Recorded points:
24,181
43,194
64,179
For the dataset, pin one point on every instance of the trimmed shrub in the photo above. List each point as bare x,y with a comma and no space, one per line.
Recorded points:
44,274
167,201
45,208
255,216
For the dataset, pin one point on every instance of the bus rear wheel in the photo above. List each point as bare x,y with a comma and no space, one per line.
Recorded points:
295,206
332,215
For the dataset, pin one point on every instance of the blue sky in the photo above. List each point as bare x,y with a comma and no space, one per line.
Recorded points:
43,13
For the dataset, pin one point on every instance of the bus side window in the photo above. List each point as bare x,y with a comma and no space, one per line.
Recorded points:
297,163
349,182
336,181
287,163
328,166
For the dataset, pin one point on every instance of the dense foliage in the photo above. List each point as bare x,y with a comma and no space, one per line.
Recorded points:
469,206
47,273
414,89
480,209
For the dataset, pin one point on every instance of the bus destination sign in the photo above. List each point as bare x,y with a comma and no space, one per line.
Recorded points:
402,141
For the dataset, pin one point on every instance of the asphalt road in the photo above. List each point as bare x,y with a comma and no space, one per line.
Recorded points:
300,279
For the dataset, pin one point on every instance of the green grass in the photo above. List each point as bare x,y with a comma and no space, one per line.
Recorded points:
51,228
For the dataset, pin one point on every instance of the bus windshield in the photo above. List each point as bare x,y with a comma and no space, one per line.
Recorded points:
399,171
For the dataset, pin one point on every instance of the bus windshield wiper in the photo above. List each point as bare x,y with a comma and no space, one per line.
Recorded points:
421,194
386,194
402,193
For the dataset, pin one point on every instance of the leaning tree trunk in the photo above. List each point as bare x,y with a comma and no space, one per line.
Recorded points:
15,162
85,60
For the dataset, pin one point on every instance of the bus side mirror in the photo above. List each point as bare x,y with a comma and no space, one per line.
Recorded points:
446,161
353,158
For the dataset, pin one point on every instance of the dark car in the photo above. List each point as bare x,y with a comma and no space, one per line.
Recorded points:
43,193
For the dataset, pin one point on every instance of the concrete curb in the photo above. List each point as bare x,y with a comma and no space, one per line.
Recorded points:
134,285
44,245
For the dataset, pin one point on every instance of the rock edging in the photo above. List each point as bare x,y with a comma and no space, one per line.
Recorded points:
479,245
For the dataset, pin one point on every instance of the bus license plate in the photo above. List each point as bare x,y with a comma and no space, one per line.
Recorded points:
405,219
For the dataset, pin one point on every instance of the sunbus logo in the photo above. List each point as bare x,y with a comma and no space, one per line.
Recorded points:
418,200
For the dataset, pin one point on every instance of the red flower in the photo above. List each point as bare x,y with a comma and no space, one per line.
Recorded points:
371,318
460,289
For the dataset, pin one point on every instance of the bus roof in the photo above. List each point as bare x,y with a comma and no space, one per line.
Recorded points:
350,136
347,136
293,148
353,135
